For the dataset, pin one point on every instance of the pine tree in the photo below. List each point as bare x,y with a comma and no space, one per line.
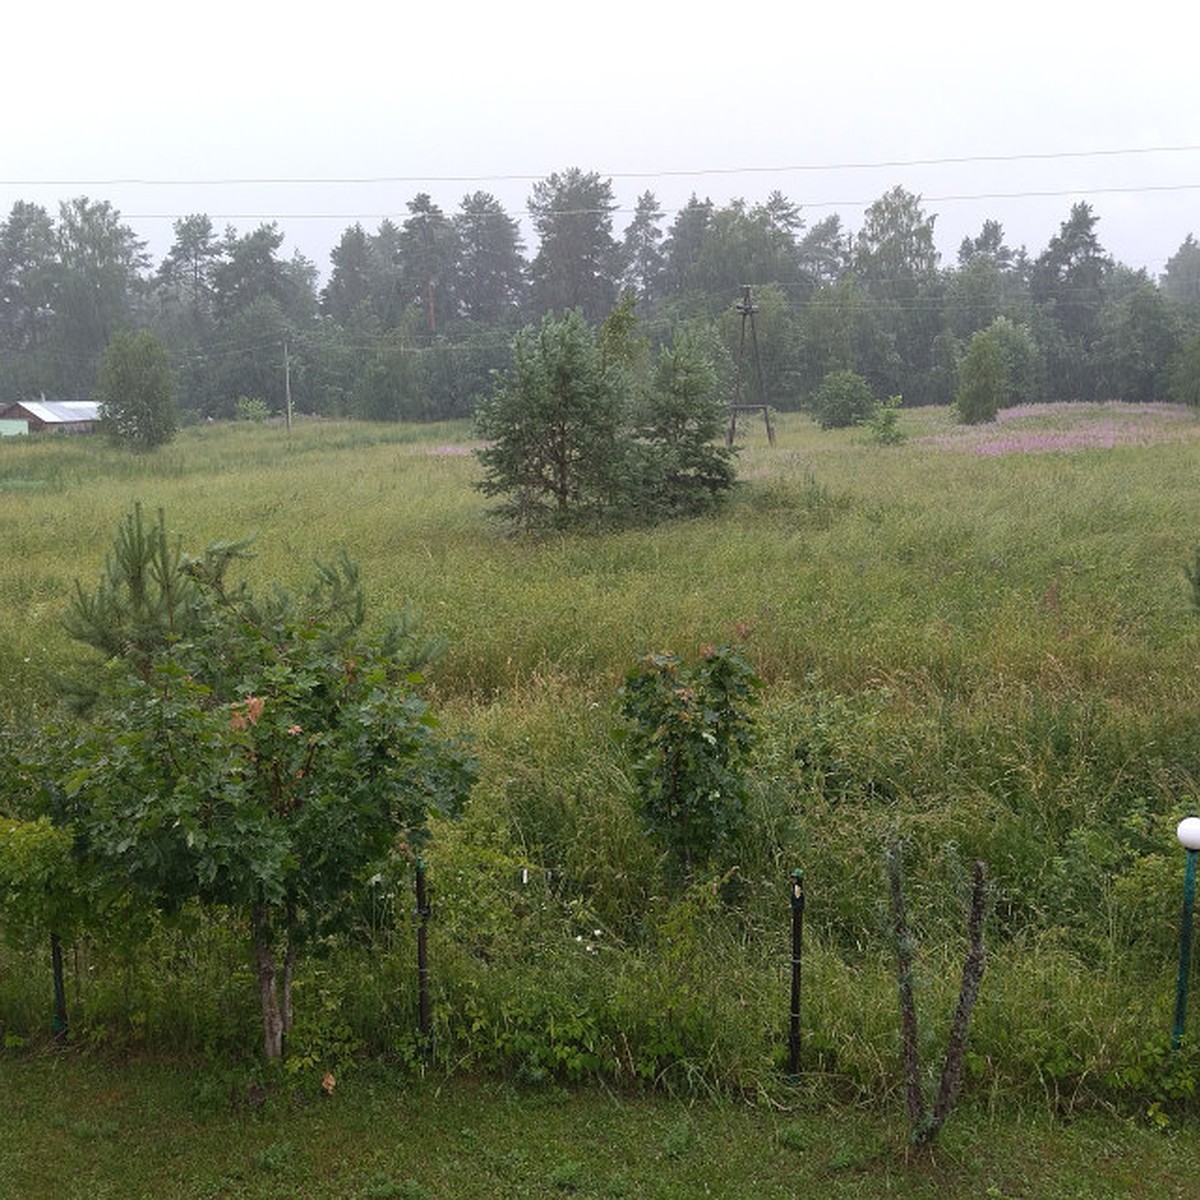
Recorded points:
554,428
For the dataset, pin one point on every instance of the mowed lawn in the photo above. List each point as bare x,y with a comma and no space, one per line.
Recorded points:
78,1129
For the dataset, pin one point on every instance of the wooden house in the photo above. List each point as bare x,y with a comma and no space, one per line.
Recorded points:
61,416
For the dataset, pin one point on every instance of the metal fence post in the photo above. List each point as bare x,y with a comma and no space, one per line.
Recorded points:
797,890
1189,837
59,1023
422,914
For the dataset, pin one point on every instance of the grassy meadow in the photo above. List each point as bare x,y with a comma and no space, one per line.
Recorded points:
981,641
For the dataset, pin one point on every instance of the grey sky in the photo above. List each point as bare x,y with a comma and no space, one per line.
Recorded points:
724,100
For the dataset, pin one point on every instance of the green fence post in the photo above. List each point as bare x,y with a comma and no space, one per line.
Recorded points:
1188,833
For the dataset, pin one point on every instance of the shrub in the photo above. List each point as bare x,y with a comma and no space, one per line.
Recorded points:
137,391
692,733
884,422
261,758
250,408
552,426
682,467
1184,379
983,379
1020,360
842,400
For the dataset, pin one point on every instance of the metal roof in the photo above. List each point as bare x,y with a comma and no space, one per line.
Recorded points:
62,412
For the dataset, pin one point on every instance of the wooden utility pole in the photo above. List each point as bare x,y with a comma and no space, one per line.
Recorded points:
287,389
748,308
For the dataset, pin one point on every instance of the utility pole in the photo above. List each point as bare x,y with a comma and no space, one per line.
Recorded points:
287,389
748,308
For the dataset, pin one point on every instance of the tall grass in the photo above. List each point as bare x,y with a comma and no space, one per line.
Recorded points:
990,654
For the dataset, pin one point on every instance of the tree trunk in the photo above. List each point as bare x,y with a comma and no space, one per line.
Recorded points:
972,977
914,1096
289,962
264,961
923,1124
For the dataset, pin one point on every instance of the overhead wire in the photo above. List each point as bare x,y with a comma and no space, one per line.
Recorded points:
1030,194
826,167
663,173
696,173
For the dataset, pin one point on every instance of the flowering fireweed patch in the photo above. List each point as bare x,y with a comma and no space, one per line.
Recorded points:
1048,428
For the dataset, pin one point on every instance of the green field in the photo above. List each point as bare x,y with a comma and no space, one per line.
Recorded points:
981,641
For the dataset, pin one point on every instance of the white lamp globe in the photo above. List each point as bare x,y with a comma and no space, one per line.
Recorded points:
1188,832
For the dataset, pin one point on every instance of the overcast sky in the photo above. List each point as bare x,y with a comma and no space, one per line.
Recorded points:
320,116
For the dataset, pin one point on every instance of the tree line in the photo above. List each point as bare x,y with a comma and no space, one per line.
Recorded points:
415,316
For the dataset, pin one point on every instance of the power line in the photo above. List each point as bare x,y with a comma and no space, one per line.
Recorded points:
1041,195
1048,194
685,173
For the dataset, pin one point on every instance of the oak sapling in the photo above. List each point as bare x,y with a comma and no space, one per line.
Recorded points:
265,757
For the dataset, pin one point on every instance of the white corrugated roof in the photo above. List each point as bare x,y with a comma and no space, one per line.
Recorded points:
58,412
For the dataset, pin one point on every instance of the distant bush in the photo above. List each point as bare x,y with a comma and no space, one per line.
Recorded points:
883,424
842,400
998,370
1020,360
137,391
250,408
983,379
1184,384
